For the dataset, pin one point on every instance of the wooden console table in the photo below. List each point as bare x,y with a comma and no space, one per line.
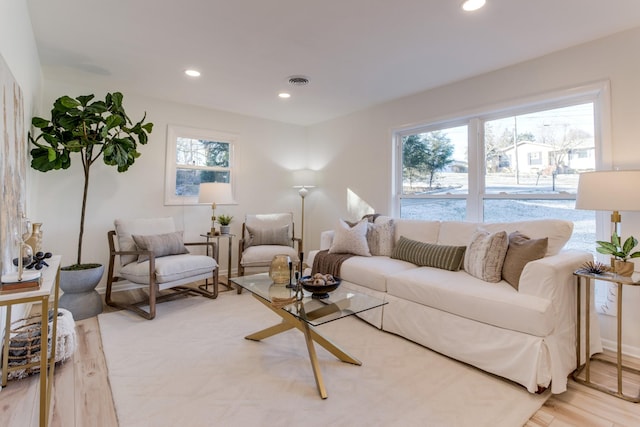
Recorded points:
48,287
620,281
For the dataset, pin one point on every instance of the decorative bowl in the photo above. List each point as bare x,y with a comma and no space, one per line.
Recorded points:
320,291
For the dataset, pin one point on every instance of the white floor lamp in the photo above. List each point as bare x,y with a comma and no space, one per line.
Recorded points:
303,180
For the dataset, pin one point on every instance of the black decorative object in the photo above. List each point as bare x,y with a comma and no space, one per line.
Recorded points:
38,261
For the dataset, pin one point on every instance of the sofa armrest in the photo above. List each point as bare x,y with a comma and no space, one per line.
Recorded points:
326,239
544,276
552,278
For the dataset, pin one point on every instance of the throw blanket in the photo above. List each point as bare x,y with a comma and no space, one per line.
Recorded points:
327,263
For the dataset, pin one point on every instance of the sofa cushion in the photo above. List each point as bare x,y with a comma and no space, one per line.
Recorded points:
423,231
160,244
456,233
371,272
464,295
521,250
485,255
558,231
429,254
350,240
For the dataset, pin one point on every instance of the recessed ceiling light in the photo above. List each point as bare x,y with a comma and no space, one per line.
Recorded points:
192,73
284,95
471,5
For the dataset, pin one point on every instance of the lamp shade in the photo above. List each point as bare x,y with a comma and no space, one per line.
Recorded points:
609,191
215,192
304,178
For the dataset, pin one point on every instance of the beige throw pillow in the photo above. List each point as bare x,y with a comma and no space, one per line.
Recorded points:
268,236
380,236
521,251
350,240
485,255
160,244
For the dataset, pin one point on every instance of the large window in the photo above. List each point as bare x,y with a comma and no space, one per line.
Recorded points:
516,163
196,156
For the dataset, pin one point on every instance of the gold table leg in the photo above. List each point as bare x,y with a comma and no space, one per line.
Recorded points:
289,321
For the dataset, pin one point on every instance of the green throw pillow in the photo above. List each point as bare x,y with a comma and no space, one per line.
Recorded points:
429,254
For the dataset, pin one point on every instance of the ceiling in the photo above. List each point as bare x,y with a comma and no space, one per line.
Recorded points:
356,53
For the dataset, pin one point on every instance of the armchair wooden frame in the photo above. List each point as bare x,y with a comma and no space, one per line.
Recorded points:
178,286
241,242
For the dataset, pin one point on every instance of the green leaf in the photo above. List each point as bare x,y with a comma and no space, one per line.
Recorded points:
84,99
39,122
113,121
629,244
67,102
615,239
635,255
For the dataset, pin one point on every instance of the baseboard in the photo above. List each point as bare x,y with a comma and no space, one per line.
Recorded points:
627,350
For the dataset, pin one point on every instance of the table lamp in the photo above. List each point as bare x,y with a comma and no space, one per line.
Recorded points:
214,193
614,191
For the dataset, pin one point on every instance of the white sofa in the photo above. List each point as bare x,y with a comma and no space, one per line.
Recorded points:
526,335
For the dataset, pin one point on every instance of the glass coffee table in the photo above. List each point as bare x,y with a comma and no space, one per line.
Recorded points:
306,314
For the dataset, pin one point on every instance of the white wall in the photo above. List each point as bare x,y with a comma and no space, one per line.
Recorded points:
266,151
354,152
18,48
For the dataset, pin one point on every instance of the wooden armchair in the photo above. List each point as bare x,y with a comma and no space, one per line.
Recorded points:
150,253
264,236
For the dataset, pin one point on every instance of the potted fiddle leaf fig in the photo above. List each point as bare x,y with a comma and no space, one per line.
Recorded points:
621,252
92,129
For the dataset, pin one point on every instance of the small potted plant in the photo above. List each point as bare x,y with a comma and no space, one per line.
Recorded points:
621,253
224,221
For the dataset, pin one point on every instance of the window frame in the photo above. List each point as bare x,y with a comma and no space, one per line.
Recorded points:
173,133
597,93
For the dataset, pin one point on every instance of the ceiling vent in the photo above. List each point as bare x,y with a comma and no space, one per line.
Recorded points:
298,80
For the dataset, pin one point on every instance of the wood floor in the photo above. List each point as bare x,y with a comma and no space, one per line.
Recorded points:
82,395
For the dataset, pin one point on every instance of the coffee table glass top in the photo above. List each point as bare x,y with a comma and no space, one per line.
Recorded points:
341,303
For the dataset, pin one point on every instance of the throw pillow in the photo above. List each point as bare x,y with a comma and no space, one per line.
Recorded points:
350,240
268,236
521,250
380,237
160,244
485,255
429,254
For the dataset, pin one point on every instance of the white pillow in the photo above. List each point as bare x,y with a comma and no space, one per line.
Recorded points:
350,240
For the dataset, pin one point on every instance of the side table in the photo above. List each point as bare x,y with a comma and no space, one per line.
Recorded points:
620,281
229,238
49,287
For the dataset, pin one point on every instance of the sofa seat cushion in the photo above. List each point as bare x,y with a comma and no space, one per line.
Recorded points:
461,294
169,268
371,272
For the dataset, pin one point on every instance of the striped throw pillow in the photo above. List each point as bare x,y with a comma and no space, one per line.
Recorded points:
429,254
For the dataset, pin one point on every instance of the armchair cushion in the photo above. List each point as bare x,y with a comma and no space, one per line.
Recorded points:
261,256
268,236
160,244
141,226
169,268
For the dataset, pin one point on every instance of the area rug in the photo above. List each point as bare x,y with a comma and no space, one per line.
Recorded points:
191,366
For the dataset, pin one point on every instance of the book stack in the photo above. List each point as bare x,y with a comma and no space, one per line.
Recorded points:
30,281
